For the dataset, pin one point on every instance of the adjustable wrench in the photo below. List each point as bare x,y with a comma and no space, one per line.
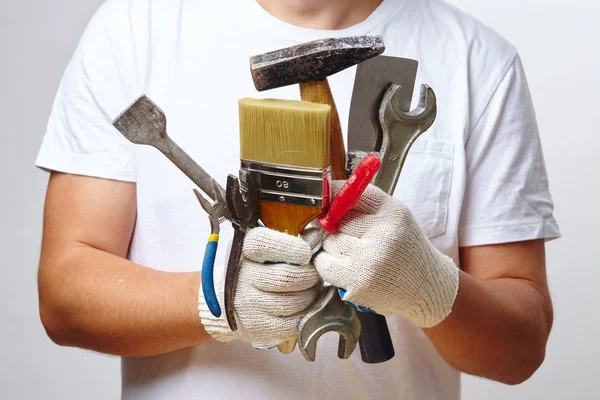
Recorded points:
400,130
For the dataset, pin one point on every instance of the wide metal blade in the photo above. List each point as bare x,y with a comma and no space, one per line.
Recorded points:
143,122
373,78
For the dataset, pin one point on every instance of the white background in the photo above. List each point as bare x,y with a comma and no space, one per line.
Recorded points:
562,60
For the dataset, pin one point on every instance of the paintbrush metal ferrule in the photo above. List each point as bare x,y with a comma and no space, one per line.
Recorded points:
304,186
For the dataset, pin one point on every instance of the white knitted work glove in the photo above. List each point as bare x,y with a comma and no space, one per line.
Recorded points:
384,261
276,283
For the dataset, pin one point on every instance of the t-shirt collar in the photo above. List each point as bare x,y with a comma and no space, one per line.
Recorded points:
293,34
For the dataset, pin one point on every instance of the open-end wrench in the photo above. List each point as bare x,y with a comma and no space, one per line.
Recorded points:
400,130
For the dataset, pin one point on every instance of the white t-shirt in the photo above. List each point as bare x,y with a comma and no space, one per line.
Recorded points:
476,177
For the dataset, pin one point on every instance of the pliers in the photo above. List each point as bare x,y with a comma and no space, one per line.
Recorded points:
239,204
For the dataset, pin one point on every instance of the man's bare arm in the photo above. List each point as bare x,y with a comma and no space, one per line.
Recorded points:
91,296
502,316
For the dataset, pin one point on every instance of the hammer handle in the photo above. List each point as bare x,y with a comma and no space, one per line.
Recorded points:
375,340
320,92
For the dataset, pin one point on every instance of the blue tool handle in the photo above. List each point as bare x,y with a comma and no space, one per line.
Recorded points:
208,269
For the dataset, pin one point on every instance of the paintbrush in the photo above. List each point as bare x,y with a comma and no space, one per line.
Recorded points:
285,145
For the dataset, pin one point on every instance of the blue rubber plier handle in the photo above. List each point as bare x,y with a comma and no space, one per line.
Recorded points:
215,215
208,269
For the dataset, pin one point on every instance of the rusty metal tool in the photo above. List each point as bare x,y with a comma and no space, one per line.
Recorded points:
399,131
144,123
309,65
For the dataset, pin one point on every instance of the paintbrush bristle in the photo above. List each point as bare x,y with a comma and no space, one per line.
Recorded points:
288,132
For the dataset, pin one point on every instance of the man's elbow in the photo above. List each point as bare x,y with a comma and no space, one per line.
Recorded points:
56,329
532,354
525,369
53,310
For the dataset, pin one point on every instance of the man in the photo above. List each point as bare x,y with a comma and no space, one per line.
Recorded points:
456,259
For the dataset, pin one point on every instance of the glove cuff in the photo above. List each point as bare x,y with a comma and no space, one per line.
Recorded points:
216,327
449,279
441,291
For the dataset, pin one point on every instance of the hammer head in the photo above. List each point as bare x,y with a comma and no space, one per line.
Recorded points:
312,61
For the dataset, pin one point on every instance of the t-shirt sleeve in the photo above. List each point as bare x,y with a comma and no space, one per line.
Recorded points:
507,197
96,86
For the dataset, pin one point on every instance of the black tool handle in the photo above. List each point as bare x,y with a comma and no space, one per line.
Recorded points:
375,340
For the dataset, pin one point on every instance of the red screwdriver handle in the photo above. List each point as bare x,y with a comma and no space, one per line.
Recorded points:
350,192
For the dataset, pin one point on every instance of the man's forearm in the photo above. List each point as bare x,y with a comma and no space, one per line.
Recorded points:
114,306
497,329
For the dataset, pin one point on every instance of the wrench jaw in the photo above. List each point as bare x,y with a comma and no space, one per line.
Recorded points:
421,116
413,122
427,107
210,210
400,130
329,314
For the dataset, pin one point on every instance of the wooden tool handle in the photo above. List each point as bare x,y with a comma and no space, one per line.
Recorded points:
287,218
291,219
320,92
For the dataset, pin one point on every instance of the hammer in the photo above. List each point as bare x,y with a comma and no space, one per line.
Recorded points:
309,65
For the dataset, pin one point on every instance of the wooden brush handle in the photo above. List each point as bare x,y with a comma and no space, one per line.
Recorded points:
320,92
291,219
287,218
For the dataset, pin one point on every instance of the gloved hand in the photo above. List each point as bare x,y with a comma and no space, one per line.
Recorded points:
384,261
276,283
